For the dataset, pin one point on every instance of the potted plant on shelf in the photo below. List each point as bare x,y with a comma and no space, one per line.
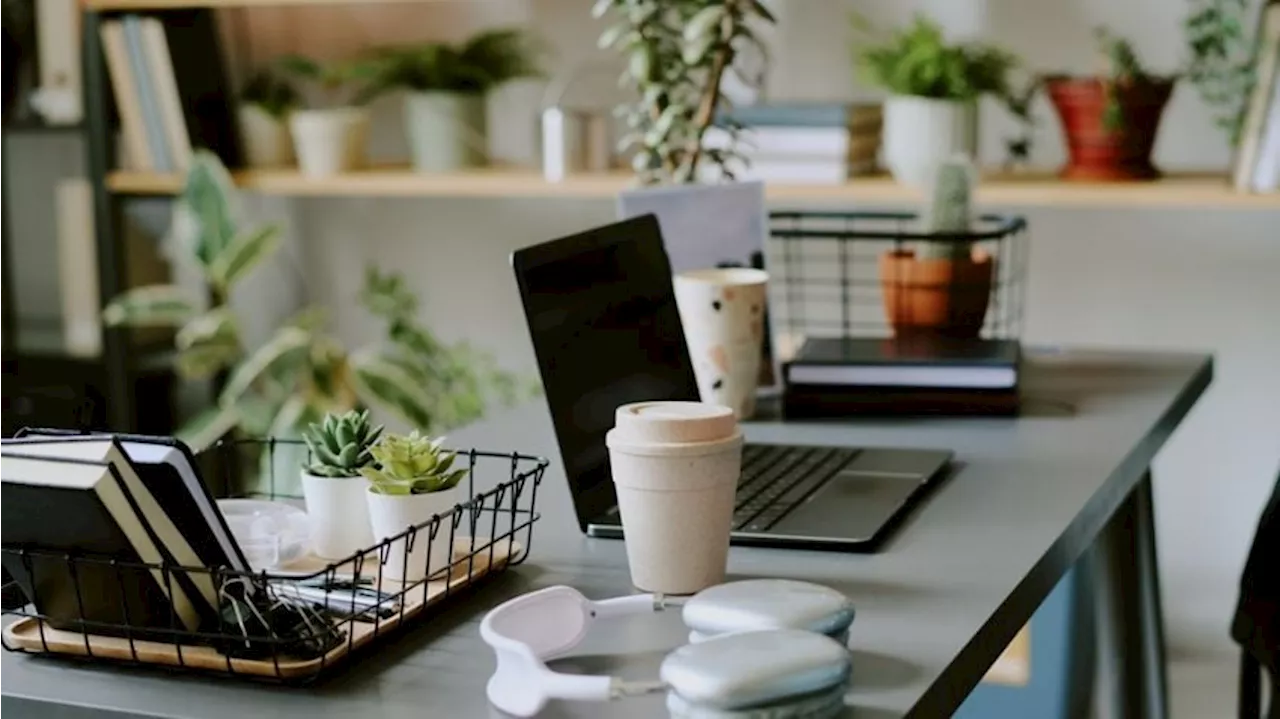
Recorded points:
412,481
263,114
1110,120
932,111
943,285
334,484
678,54
447,85
329,137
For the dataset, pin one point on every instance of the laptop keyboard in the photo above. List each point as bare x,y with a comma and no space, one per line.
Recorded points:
776,478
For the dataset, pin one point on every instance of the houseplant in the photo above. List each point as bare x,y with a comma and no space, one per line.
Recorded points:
1222,64
941,286
932,111
447,85
678,53
1110,119
334,484
329,135
263,114
412,480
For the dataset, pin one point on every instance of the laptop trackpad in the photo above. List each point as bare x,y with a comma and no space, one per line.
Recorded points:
853,505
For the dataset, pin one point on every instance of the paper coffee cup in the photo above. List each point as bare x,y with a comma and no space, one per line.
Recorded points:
722,312
675,470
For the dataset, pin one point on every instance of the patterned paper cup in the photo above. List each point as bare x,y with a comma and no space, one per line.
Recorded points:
722,312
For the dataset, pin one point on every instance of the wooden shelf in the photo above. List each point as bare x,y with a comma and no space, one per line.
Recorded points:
1201,191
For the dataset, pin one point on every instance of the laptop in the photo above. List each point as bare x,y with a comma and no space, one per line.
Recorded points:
602,315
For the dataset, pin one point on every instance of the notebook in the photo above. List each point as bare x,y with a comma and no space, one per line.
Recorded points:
919,362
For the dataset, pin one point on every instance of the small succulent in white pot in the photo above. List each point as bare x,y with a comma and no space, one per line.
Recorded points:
333,483
413,480
266,101
329,136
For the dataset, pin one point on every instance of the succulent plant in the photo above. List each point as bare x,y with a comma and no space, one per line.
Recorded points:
950,209
341,446
412,464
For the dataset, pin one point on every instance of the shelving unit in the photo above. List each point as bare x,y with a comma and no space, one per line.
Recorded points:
1202,190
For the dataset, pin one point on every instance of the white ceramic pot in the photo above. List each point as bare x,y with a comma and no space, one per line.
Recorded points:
336,514
265,137
447,130
331,141
391,514
921,133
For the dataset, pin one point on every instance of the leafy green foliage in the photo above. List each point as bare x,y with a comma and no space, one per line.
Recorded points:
336,83
919,61
678,52
412,464
1221,64
341,445
266,89
477,66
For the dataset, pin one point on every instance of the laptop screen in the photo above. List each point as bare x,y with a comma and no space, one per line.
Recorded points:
606,332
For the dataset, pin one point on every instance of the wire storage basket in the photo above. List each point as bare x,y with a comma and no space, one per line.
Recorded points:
292,624
872,274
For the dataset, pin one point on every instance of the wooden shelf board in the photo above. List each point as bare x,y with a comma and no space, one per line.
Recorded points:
1200,190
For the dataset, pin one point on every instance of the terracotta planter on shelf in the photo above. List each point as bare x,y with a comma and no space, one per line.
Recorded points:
937,296
1100,154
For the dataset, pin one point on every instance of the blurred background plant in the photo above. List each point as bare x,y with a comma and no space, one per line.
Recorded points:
1221,64
271,92
678,54
477,66
918,61
336,83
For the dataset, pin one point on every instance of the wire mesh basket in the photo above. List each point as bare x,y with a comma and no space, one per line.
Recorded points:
855,274
291,624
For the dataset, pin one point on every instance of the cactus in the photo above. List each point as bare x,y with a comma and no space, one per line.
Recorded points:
412,464
341,445
950,211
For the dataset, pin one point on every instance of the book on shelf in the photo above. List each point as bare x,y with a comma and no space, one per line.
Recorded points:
160,63
818,143
57,26
1256,118
918,362
137,151
148,101
77,267
1266,173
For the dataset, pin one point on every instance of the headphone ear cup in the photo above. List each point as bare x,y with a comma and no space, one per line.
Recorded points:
757,604
819,705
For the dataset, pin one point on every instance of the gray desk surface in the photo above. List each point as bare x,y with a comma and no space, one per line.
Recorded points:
935,607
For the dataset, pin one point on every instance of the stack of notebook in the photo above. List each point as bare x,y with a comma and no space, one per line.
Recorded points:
910,375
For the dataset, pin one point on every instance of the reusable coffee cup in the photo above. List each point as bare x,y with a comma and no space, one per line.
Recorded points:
722,311
675,470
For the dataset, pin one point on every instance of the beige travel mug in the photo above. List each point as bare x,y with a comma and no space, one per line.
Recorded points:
675,469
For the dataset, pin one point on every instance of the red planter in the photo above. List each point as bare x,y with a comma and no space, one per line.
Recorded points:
1095,152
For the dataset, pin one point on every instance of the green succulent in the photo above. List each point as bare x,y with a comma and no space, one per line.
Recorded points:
412,464
341,446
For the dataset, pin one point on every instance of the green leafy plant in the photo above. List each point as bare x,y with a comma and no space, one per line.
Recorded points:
1122,68
1221,64
479,65
412,464
678,52
919,61
333,84
341,445
271,92
301,373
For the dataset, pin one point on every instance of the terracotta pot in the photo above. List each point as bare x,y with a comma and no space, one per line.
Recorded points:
1095,152
941,296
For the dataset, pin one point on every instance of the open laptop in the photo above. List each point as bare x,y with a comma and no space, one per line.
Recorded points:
602,315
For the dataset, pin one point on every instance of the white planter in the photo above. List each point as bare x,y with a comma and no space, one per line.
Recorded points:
331,141
447,131
336,514
265,138
391,514
921,133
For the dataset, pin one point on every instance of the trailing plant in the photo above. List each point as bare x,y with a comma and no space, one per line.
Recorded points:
678,52
266,89
1221,64
301,373
477,66
919,61
332,84
340,446
412,464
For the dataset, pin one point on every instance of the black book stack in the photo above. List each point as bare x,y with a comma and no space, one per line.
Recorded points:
913,375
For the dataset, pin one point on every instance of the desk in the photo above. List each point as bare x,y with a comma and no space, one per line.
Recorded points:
1030,497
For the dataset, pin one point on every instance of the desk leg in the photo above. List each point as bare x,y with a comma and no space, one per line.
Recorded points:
1129,619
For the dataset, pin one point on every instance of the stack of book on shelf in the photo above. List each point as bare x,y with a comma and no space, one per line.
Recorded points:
169,88
803,143
832,377
1257,166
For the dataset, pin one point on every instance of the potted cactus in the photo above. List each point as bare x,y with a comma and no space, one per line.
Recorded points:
412,480
943,286
333,483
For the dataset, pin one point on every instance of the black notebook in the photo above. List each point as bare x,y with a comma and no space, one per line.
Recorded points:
932,362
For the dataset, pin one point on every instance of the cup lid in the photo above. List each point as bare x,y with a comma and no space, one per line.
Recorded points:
674,422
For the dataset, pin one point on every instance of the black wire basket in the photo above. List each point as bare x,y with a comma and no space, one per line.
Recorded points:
288,625
841,274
